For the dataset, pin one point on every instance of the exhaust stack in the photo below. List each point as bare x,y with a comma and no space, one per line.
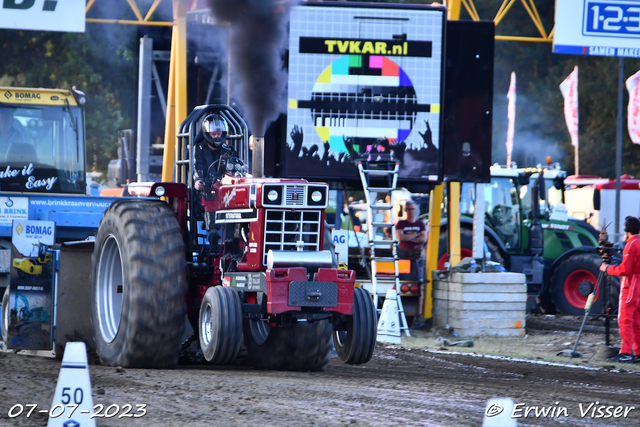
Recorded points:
257,162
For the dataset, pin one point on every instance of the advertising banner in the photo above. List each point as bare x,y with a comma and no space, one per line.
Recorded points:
569,89
511,115
31,285
43,15
340,240
597,27
364,81
633,109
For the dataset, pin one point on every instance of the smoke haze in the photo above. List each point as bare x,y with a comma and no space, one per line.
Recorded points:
258,30
531,143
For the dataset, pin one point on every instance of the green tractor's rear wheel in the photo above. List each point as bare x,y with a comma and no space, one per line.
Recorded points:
139,283
466,241
572,282
355,345
303,346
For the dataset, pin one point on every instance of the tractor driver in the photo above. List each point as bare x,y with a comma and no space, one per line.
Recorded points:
215,130
9,131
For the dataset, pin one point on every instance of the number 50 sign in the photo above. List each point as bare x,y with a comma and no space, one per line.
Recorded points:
598,27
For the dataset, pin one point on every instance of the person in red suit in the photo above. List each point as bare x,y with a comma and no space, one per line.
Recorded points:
629,307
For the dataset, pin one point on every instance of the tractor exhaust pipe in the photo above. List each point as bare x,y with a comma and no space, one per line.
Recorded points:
257,162
536,240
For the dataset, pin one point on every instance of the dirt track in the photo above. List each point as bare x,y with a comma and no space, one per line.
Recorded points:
399,386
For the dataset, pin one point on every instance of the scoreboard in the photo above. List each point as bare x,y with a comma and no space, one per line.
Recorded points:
598,27
365,80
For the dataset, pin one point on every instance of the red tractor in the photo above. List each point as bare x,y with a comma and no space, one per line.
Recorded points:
242,259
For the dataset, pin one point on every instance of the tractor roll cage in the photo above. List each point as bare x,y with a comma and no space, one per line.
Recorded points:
190,130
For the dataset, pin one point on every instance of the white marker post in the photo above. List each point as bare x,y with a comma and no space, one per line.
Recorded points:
73,400
498,413
389,323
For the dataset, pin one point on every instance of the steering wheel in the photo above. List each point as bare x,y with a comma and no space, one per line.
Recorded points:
234,164
215,166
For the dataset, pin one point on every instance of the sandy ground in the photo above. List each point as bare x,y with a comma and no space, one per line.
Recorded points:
415,383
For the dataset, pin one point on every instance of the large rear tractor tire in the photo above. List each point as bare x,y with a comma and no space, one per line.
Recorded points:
572,282
139,284
355,345
302,346
220,325
5,316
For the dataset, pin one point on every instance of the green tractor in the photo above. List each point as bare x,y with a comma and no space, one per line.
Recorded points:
527,230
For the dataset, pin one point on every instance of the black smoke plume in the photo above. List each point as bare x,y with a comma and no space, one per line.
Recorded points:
257,34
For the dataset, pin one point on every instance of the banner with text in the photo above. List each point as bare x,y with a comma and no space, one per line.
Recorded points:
633,110
43,15
569,89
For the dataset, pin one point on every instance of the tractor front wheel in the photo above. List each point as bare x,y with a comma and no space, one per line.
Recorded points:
139,283
572,282
220,325
355,344
302,346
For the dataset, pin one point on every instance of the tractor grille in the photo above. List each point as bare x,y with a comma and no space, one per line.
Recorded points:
284,228
296,195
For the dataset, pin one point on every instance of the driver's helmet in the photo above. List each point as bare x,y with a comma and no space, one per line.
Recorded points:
214,123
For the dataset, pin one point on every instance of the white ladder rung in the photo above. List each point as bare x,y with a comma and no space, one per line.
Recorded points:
379,189
381,207
382,224
384,259
379,171
386,280
383,243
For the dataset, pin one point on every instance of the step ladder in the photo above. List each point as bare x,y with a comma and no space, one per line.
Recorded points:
379,178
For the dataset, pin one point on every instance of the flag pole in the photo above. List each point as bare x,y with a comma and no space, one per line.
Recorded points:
511,115
617,224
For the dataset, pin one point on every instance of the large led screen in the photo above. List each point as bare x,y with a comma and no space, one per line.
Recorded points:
364,81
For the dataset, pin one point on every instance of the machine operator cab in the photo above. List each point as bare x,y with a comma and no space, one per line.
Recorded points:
222,127
42,141
510,189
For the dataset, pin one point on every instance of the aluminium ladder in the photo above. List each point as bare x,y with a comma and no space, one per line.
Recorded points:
379,177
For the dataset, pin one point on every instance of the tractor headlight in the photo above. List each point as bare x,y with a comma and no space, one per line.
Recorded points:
160,190
317,196
272,195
